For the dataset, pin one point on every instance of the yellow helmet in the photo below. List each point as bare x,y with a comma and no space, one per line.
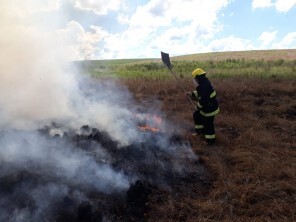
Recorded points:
198,72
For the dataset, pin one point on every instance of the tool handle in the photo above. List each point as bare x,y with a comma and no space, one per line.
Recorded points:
174,74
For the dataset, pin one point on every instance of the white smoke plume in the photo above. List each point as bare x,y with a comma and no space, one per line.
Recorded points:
38,84
58,160
39,87
33,84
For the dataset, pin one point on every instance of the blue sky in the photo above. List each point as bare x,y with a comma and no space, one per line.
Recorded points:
113,29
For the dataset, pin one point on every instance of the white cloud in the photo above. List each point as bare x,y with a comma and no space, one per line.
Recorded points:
267,38
146,16
179,25
98,7
126,44
261,4
288,42
284,5
280,5
164,13
123,19
230,43
81,44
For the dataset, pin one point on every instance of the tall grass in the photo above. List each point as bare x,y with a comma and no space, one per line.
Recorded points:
216,68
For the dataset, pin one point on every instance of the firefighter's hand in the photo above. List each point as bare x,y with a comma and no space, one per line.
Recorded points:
189,95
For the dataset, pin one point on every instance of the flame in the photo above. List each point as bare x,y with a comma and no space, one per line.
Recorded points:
148,122
148,128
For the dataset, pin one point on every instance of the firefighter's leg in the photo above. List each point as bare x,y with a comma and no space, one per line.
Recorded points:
209,130
198,122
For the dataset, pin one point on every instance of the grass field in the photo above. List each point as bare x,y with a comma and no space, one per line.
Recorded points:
254,162
253,165
270,63
288,54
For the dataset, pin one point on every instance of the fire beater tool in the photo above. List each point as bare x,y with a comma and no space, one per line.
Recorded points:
165,57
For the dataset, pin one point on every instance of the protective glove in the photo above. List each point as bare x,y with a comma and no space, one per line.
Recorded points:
189,94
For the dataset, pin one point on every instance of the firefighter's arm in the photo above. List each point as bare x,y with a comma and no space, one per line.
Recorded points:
204,98
193,95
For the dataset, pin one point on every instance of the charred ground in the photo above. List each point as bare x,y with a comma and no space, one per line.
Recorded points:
253,163
158,171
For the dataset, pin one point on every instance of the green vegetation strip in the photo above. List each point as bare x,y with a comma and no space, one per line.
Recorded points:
273,66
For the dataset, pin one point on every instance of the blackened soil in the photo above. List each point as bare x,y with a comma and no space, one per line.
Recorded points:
158,175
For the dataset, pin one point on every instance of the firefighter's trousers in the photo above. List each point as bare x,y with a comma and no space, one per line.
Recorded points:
205,125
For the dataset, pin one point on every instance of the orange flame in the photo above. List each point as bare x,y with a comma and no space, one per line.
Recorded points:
149,122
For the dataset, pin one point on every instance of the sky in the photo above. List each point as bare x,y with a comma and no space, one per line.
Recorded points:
125,29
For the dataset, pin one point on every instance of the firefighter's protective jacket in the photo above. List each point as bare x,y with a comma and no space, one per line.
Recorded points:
206,97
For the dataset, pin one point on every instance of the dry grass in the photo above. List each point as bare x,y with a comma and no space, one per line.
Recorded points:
254,161
287,54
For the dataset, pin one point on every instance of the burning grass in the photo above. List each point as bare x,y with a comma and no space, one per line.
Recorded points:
254,160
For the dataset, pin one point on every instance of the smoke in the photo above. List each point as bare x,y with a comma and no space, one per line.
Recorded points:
57,159
39,87
37,173
33,85
44,198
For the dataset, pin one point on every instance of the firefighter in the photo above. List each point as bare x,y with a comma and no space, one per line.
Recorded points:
207,106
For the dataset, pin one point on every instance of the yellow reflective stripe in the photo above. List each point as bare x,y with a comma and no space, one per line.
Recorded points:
213,94
210,136
210,114
199,126
195,94
199,106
